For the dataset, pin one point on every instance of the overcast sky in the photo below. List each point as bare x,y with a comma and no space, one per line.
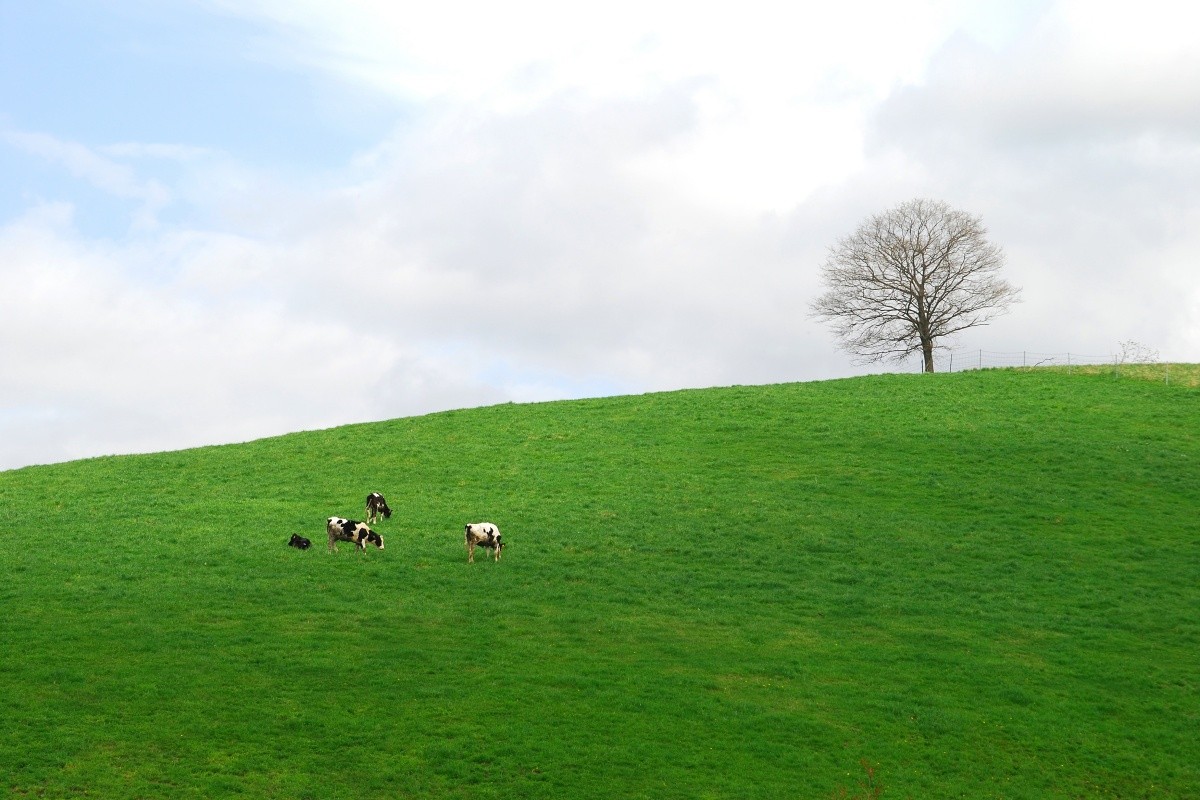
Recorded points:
227,219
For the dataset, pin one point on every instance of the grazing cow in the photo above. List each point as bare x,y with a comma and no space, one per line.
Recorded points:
483,534
347,530
376,505
299,541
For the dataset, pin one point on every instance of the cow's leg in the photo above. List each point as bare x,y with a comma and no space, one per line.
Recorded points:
470,552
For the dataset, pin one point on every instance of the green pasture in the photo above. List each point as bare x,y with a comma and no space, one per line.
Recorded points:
978,585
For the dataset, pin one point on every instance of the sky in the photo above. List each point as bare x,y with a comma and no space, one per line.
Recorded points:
228,219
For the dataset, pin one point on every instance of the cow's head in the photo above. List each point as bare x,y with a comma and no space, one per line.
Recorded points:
374,538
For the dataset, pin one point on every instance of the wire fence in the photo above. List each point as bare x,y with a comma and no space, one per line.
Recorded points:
1131,362
959,360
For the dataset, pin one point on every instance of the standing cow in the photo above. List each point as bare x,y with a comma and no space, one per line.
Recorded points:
483,534
377,506
347,530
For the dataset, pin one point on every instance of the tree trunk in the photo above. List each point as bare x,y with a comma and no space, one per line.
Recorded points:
927,347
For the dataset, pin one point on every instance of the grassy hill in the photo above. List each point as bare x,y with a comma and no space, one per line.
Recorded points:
976,585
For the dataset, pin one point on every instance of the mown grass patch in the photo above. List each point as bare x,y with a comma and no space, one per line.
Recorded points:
1179,374
983,584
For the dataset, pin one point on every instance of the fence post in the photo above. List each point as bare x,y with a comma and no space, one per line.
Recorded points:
981,358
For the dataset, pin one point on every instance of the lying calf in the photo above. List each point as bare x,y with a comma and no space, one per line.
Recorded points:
299,541
347,530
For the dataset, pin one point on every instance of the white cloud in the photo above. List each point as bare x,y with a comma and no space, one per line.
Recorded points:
779,91
99,361
103,173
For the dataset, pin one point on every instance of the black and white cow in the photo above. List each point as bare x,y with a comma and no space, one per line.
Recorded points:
347,530
376,506
483,534
299,542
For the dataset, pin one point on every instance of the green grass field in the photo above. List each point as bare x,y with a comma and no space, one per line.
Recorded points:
979,585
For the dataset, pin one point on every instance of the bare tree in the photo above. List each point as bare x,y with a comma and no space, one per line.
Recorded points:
909,277
1135,353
